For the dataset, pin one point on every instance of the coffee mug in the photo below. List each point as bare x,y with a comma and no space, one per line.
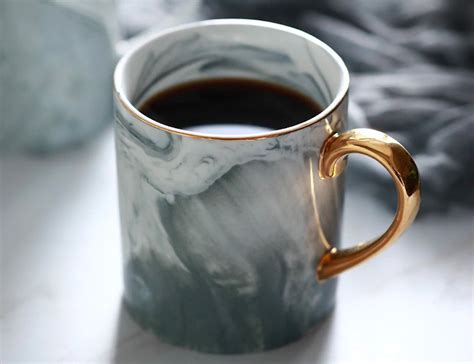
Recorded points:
231,242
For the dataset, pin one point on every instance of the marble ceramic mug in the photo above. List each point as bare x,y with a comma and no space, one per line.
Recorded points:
230,243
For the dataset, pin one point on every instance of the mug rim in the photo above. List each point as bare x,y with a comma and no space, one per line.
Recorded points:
119,92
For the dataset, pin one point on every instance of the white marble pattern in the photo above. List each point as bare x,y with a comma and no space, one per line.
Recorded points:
61,279
223,234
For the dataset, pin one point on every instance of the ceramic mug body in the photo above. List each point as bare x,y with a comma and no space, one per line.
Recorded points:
221,235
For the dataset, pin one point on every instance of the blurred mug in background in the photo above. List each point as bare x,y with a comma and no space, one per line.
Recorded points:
56,69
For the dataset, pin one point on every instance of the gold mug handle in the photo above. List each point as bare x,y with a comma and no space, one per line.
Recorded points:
398,162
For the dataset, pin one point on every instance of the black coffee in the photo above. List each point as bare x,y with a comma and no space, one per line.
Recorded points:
200,104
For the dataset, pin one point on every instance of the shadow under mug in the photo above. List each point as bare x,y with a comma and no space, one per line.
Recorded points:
231,243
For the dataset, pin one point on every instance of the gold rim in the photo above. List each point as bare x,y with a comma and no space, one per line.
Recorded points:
133,111
153,123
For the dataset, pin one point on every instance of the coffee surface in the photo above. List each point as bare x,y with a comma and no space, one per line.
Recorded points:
230,101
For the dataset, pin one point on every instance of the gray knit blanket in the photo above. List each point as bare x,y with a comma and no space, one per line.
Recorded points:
412,74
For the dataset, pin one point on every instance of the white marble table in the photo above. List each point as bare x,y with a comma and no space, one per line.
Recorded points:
61,278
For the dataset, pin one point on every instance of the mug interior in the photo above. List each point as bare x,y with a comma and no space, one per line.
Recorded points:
231,48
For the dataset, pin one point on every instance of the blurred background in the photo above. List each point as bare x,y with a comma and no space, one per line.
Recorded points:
412,76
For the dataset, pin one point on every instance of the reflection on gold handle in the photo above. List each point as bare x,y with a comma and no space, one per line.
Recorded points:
401,167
